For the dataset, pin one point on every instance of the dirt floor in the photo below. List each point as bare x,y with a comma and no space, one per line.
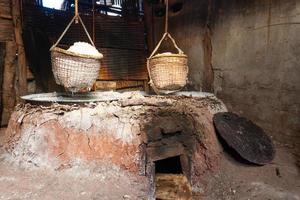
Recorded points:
277,181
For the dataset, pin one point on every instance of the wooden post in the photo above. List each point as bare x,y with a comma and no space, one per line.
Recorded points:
2,58
22,67
9,74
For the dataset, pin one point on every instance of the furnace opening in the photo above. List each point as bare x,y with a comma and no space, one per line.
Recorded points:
170,165
170,182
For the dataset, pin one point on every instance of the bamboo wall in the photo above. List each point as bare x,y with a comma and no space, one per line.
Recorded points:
122,41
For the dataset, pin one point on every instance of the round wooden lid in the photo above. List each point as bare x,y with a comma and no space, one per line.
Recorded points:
245,137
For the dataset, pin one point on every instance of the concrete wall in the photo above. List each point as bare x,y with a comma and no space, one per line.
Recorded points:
255,57
256,61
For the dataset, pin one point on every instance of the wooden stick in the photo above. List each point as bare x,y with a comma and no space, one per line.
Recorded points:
4,16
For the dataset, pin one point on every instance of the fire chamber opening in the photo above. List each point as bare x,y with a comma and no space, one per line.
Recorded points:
170,165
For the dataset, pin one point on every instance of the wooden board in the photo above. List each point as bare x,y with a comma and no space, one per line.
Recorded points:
2,57
5,8
6,24
119,85
7,28
172,186
246,138
9,74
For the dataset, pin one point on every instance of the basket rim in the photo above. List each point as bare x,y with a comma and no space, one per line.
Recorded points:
60,50
169,55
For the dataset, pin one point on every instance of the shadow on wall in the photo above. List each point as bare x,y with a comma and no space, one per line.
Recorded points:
37,45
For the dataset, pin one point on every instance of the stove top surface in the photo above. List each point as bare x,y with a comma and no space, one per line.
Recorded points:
99,96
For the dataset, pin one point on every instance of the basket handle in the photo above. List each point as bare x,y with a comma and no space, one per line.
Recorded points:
165,37
76,18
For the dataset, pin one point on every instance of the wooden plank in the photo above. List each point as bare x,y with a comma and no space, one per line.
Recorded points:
105,85
2,58
6,24
126,84
5,8
8,95
162,151
173,186
3,16
150,171
118,85
22,67
6,27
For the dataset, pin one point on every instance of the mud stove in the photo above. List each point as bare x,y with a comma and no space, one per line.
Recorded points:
158,141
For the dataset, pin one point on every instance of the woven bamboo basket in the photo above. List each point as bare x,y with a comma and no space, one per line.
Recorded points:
168,72
76,72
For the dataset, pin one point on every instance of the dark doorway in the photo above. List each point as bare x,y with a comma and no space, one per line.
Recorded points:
170,165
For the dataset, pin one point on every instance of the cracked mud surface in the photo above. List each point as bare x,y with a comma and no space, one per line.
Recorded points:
73,182
276,181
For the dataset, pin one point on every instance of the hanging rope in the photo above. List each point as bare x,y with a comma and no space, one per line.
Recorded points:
76,18
167,16
93,33
76,11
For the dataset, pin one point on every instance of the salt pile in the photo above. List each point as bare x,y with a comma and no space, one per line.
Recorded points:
162,54
85,49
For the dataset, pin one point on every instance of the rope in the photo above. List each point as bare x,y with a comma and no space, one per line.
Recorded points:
76,11
167,16
64,32
86,32
93,32
76,17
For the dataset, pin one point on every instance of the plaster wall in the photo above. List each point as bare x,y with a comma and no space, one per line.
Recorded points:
255,56
256,62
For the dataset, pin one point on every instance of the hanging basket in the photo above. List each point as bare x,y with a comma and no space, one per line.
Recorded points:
168,72
74,71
